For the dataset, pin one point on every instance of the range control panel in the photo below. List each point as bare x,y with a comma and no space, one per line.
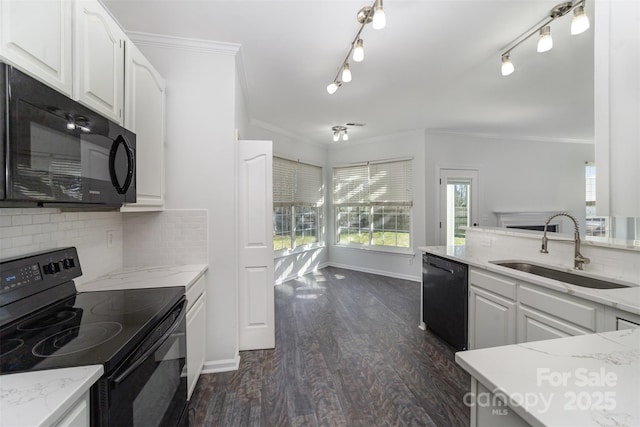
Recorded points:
32,273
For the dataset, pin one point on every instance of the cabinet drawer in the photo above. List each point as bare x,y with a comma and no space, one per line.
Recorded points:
574,310
495,283
195,291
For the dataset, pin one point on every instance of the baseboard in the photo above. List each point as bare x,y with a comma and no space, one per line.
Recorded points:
374,271
300,274
225,365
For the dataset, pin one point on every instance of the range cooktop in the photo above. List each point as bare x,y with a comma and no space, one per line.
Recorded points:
65,328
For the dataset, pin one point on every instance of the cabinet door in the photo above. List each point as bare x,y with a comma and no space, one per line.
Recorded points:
98,59
78,415
35,36
492,319
144,115
534,325
196,325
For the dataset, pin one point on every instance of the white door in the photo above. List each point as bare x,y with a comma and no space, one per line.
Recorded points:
458,204
255,257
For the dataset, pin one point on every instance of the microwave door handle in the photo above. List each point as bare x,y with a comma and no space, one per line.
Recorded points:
130,165
123,376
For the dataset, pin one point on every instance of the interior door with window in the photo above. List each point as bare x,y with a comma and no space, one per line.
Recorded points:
458,204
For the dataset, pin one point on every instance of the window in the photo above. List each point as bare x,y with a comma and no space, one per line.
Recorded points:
597,226
297,199
373,204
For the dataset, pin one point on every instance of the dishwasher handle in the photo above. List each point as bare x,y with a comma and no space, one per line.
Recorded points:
448,270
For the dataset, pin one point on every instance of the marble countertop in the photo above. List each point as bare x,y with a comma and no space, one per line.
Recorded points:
586,380
627,299
147,277
41,398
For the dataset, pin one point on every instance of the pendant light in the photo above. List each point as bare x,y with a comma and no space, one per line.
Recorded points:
345,135
545,43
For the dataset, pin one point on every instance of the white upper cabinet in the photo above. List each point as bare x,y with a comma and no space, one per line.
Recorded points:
98,60
35,36
144,115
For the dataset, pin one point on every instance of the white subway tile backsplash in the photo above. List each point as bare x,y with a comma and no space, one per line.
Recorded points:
167,237
153,238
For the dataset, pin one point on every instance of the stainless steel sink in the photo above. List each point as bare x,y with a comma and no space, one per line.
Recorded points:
562,276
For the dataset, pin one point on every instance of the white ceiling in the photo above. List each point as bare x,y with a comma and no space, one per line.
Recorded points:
436,65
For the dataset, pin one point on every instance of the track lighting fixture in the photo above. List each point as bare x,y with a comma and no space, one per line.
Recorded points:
579,24
545,43
379,20
358,51
340,131
333,87
507,66
346,73
367,15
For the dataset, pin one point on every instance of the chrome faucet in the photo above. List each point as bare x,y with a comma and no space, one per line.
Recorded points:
578,259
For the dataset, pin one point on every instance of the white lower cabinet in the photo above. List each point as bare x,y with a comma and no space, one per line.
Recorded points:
492,310
78,415
504,310
545,314
196,330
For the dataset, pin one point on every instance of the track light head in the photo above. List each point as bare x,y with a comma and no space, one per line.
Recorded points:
379,19
358,51
507,66
545,43
333,87
346,73
580,21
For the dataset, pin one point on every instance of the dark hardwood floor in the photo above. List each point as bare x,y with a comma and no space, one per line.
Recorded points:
348,353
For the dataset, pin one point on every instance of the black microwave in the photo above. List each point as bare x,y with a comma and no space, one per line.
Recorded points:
57,152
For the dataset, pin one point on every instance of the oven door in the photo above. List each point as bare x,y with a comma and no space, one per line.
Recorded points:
150,388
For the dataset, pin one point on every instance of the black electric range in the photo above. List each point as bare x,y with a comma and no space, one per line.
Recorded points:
46,324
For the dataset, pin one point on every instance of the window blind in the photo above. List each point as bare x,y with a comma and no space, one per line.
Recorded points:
384,183
296,183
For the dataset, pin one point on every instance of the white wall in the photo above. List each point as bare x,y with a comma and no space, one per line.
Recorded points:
513,175
408,144
200,167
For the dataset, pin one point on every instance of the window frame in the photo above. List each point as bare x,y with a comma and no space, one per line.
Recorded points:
294,206
364,201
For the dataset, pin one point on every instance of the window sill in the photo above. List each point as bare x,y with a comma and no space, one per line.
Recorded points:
283,253
408,252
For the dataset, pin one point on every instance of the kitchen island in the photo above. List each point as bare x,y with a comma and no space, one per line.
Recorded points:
587,380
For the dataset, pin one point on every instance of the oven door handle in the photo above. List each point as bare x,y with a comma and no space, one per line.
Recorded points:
183,312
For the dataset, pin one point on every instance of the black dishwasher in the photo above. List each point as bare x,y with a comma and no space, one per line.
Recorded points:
444,299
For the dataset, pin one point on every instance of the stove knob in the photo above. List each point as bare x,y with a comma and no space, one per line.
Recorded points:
68,263
52,268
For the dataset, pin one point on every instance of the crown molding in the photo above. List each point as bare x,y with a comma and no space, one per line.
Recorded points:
507,137
183,43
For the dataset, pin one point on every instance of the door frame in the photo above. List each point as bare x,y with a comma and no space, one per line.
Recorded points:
466,171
